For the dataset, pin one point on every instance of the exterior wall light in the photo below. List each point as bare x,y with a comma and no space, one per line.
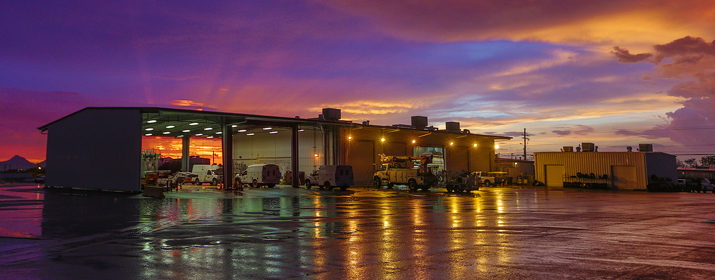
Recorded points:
414,141
496,146
475,145
350,138
451,143
316,155
382,139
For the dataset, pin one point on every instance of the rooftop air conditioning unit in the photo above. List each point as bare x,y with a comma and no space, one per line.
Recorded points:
331,114
568,149
645,147
453,126
419,122
588,147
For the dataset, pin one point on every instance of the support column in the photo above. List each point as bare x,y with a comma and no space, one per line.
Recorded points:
227,153
294,153
185,159
336,146
326,145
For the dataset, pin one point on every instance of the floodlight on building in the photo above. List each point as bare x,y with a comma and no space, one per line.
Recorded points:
151,121
149,129
316,155
515,164
170,126
496,146
475,145
194,123
208,128
166,132
350,138
267,128
451,143
273,132
414,141
250,134
241,130
185,130
382,139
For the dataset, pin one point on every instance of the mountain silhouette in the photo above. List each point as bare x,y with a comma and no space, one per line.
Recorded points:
16,162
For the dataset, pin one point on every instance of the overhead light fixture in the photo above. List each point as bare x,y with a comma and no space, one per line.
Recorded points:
273,132
194,123
208,128
170,126
210,137
151,121
180,136
166,132
149,129
198,134
241,130
267,128
185,130
235,125
218,132
300,130
148,134
250,134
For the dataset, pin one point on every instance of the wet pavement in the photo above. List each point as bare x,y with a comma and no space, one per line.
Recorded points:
202,233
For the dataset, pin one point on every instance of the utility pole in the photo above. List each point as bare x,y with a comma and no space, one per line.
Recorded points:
526,138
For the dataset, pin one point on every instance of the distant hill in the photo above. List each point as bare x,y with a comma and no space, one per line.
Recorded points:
17,162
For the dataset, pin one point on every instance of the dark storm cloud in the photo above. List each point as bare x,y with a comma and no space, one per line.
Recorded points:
625,56
561,132
685,50
575,130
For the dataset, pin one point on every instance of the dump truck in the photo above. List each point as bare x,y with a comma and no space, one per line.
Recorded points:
405,170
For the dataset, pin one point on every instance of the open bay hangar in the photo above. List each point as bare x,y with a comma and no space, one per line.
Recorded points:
101,147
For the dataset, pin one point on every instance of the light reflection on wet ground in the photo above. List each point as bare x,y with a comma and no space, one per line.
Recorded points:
360,233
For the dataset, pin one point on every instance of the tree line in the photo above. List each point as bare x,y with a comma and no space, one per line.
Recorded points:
691,162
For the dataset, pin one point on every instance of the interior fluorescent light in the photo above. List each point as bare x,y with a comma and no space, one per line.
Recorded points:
210,137
241,130
194,123
180,136
198,134
300,130
234,125
149,129
208,128
170,126
218,132
166,132
151,121
273,132
267,128
185,130
250,134
148,134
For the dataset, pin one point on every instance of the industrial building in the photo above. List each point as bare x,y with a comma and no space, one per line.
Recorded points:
101,147
617,170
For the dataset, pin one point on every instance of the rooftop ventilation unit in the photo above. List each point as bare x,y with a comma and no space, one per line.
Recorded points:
419,122
568,149
645,148
588,147
453,126
331,114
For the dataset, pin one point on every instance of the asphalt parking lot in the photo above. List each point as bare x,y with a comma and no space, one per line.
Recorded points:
507,232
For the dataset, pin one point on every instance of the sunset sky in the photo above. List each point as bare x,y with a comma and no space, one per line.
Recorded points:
615,73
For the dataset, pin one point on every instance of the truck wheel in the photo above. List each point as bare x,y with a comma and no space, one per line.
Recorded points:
255,183
214,182
425,188
307,184
390,185
449,188
487,183
412,185
342,188
377,183
271,185
196,182
328,186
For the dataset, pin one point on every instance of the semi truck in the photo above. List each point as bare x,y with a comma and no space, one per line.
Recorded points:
405,170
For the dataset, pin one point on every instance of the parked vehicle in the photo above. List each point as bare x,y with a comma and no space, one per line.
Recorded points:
490,178
207,174
402,170
462,181
330,176
260,175
700,184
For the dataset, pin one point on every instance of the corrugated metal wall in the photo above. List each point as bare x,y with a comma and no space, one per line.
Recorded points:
598,163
